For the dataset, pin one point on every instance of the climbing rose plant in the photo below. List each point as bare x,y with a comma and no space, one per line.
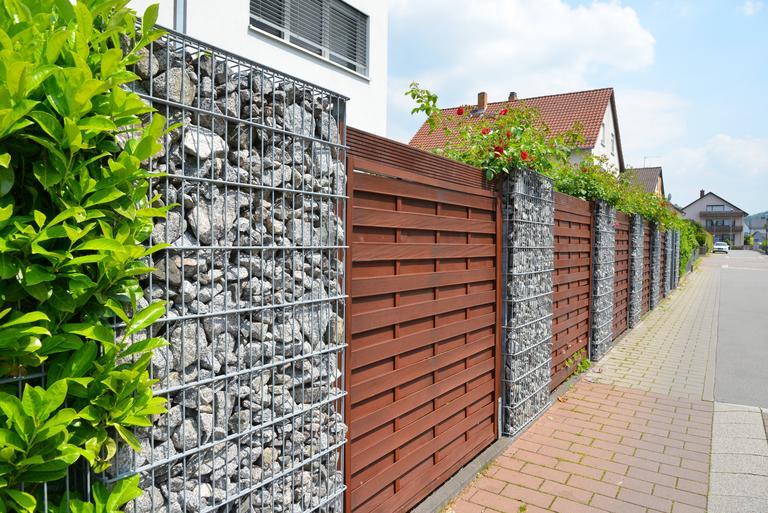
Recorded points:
74,216
518,137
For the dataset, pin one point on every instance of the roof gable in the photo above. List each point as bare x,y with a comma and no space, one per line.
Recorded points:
647,178
712,194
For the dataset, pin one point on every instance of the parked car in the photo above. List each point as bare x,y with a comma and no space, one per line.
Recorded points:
721,247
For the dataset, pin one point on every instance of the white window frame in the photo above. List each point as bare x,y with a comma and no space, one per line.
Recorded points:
602,134
285,36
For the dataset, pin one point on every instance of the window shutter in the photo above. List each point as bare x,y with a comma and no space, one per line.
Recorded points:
349,37
269,15
306,24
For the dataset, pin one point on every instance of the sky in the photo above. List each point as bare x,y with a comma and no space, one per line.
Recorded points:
690,77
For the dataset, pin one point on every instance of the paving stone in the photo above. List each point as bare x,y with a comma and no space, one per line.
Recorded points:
738,485
740,463
731,504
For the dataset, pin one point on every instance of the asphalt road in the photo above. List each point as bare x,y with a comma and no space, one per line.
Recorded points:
741,369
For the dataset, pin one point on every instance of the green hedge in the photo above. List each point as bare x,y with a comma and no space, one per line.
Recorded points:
74,216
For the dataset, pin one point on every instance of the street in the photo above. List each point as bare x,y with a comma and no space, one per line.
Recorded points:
742,335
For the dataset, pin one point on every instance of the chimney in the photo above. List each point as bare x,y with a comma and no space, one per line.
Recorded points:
482,100
513,96
701,193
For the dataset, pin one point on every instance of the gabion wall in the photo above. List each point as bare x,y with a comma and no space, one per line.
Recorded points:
255,289
655,264
528,264
676,260
635,269
668,262
604,253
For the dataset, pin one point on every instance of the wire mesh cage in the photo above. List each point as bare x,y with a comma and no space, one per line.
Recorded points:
603,260
528,204
254,283
636,235
655,264
668,262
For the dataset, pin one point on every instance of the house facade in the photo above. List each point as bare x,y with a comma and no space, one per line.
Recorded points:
594,110
340,45
722,219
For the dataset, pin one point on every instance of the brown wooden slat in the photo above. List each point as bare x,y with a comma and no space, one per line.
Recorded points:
388,284
362,424
362,490
401,188
362,390
374,251
389,348
399,314
362,216
366,454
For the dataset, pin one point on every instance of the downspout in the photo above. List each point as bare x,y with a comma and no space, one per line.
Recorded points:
180,16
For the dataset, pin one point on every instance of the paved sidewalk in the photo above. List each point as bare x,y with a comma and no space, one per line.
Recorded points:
635,434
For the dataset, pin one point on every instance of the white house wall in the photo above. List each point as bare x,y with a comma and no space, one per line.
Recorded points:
610,132
225,24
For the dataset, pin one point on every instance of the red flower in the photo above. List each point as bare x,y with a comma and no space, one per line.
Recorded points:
503,112
509,134
460,111
485,131
524,155
498,150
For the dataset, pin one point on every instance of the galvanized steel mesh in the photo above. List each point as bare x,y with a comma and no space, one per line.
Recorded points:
603,260
254,279
528,202
635,269
676,259
655,264
668,262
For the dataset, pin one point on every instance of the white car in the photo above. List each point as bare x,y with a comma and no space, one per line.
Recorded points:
721,247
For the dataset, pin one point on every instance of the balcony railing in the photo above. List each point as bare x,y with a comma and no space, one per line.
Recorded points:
707,214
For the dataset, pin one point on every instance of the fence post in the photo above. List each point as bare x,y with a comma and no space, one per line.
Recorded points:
676,253
603,259
635,269
528,212
655,261
668,262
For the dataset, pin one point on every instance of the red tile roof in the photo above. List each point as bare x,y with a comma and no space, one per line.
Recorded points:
558,111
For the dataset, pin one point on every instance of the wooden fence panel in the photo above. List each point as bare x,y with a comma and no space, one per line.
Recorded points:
621,281
423,365
572,284
646,296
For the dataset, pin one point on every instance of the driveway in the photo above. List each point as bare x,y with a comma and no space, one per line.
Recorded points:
741,375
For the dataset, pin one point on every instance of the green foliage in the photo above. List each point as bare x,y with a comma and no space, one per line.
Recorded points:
518,137
74,214
580,358
689,242
749,240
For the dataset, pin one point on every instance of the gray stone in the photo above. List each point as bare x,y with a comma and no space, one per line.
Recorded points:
297,120
185,437
169,230
203,143
146,68
175,85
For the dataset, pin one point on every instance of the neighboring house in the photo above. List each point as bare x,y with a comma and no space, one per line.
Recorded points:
651,179
338,45
594,110
722,219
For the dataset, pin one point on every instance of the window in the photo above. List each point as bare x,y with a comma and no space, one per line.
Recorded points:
328,28
602,134
715,208
613,144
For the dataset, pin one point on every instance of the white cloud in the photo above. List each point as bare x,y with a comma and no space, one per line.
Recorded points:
752,7
648,119
533,47
735,168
